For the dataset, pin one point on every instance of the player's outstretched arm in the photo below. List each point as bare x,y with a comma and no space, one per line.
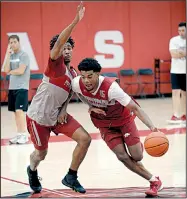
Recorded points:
65,34
116,93
141,115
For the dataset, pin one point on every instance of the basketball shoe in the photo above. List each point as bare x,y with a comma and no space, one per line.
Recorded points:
155,186
34,180
20,138
174,120
72,182
183,118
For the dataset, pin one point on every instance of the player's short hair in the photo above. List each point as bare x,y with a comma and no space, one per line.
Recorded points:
181,24
13,37
88,64
54,39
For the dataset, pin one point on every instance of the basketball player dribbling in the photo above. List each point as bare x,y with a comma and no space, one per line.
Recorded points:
47,111
113,113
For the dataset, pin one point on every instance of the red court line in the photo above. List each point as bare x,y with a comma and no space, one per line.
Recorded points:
96,136
44,189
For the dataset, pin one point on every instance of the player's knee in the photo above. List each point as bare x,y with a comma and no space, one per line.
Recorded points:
122,157
137,157
82,138
85,140
40,155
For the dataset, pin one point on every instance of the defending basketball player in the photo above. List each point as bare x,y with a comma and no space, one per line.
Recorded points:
47,111
113,113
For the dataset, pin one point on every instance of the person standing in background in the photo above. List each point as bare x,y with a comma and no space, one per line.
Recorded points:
17,65
177,48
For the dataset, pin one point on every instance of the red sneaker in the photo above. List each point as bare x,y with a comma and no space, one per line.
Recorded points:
183,118
175,120
155,186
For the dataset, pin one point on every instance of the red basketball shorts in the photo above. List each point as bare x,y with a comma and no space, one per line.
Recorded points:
40,134
114,136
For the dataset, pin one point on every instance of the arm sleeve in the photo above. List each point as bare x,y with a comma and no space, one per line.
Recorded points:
116,93
24,59
75,85
172,45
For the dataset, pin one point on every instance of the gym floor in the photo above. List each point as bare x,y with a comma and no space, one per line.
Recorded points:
100,173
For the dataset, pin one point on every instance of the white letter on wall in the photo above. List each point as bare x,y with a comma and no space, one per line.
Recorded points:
113,49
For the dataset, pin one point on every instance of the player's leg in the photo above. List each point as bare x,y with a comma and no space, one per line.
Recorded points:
115,142
21,106
176,92
135,149
183,97
75,131
83,140
129,162
40,138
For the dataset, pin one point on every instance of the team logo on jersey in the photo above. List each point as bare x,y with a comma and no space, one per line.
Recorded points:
126,135
102,93
67,84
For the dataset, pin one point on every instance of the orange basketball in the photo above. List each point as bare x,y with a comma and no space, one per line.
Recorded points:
156,144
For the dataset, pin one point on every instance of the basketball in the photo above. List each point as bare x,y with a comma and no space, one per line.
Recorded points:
156,144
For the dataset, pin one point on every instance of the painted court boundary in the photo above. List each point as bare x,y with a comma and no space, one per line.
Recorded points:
96,136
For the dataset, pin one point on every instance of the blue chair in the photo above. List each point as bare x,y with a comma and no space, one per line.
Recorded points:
141,74
7,78
36,76
129,73
112,75
109,74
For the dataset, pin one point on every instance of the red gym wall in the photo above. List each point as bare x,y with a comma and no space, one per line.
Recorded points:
146,28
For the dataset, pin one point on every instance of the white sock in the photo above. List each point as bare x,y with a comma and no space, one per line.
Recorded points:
153,178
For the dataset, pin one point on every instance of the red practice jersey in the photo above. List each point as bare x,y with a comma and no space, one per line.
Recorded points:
109,97
52,93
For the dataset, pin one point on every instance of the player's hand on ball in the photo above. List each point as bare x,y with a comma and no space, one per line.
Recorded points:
62,118
80,12
96,110
154,129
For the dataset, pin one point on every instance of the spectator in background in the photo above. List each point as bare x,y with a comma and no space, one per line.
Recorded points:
177,49
17,66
